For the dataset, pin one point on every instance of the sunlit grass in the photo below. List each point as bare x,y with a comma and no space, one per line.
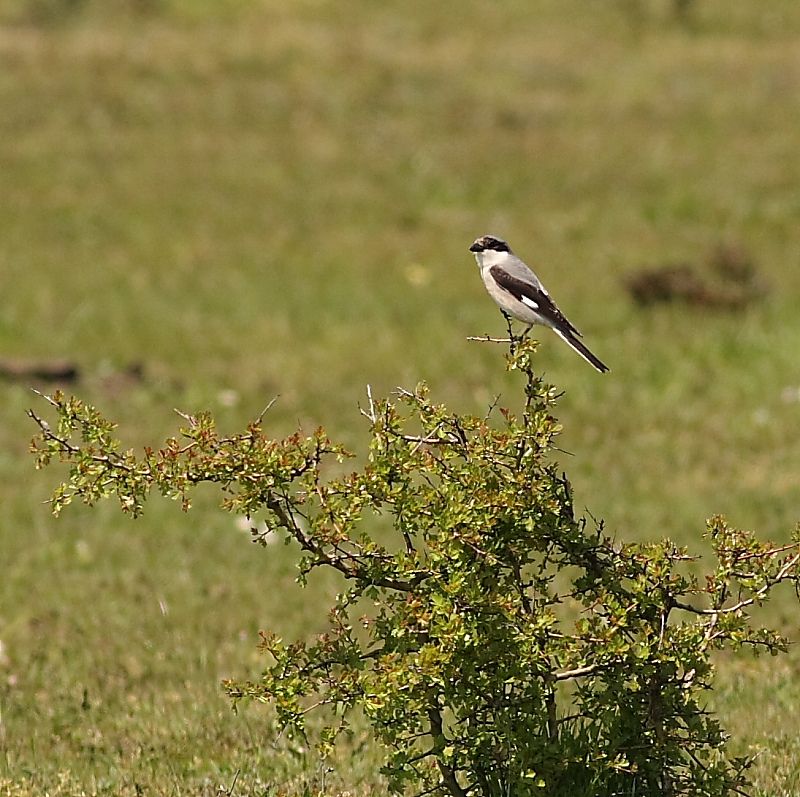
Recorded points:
268,199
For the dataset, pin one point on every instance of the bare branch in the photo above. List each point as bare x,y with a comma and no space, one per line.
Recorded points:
578,672
47,398
190,419
49,434
492,406
437,732
266,409
347,565
429,440
370,416
489,339
781,575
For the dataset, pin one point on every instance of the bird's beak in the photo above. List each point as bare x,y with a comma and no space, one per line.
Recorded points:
476,247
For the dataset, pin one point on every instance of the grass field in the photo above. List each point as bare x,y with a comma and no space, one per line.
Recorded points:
261,198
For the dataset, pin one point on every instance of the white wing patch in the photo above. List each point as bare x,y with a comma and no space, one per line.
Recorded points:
528,301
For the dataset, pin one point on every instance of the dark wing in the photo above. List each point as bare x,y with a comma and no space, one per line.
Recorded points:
535,298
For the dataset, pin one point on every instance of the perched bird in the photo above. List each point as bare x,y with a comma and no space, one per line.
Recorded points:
518,292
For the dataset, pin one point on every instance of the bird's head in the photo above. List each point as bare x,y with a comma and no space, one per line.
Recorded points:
490,243
488,248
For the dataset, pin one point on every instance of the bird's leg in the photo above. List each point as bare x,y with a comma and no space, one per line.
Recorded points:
526,331
511,337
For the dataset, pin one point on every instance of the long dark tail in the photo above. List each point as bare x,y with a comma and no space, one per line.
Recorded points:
579,347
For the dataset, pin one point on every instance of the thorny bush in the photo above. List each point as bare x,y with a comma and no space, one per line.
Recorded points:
496,644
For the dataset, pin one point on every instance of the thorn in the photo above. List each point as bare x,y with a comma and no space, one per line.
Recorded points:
263,412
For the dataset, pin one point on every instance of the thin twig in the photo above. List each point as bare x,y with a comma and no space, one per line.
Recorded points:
265,411
48,434
772,551
578,672
48,399
370,416
491,406
781,575
489,339
229,791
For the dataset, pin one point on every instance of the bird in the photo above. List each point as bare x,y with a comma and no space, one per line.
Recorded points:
519,293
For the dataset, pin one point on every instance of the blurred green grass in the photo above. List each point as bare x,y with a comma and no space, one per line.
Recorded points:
255,198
